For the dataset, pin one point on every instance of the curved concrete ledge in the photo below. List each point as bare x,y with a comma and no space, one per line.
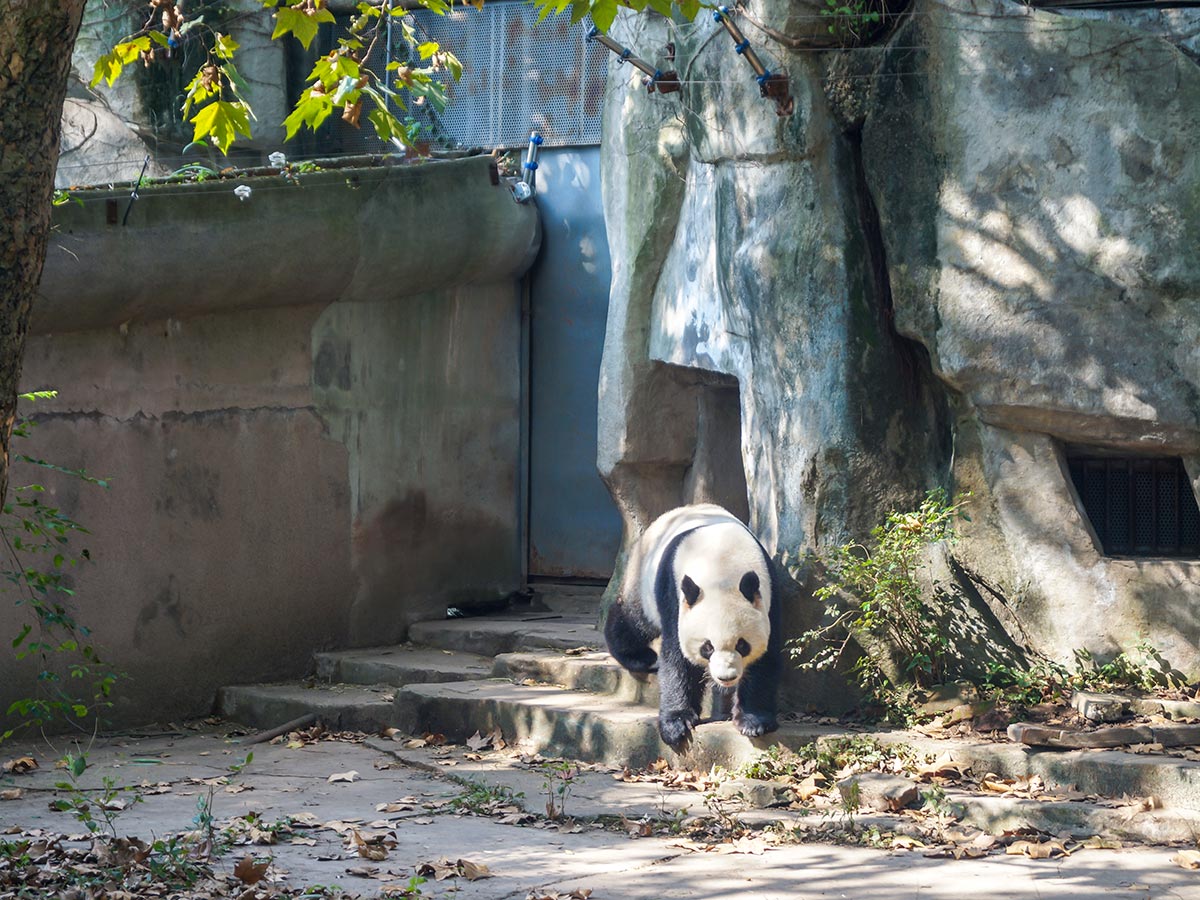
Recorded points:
351,234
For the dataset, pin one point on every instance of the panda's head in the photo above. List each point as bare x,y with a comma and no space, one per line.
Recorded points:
724,593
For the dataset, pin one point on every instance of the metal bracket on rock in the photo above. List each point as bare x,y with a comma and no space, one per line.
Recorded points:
655,80
772,85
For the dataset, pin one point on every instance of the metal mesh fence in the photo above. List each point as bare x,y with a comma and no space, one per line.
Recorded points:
516,78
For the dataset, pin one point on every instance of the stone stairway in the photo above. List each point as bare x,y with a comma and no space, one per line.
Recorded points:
540,676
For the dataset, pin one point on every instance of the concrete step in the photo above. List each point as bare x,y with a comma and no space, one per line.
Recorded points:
341,707
999,815
509,632
596,793
1109,773
403,664
595,672
572,599
583,726
598,728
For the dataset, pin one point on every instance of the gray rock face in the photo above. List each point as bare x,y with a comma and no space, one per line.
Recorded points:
968,250
1042,253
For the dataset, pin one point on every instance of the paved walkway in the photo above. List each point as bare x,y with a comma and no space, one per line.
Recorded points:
284,781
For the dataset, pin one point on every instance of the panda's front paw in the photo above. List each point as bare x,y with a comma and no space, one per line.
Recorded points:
676,728
753,724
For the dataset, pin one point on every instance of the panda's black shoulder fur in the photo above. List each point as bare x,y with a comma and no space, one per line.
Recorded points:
628,633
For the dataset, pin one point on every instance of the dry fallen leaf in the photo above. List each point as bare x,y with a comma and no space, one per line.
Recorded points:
810,787
1037,850
637,829
248,871
20,765
1096,842
1187,859
943,767
347,777
395,806
440,870
11,794
473,871
750,845
995,783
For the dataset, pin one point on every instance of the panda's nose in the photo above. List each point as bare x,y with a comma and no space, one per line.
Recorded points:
724,669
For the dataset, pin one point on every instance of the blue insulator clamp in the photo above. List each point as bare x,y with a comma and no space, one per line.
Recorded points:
742,47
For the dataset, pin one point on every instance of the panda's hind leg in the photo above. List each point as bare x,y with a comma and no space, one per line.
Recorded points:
629,640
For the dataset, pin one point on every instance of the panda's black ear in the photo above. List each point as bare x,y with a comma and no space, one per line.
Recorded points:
749,586
691,591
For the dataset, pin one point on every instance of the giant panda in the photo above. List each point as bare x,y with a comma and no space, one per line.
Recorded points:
702,582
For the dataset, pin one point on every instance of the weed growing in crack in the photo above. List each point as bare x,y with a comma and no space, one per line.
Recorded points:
558,778
480,799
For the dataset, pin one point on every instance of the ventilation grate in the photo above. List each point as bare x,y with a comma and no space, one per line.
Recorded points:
1138,506
516,78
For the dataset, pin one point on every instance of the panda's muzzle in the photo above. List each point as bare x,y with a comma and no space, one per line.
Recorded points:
725,668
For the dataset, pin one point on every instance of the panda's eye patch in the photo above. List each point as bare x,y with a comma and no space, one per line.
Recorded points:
742,647
706,649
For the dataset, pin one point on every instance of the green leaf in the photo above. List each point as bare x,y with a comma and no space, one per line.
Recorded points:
225,46
240,88
301,24
662,7
223,122
427,49
159,38
311,110
605,11
108,67
579,9
690,9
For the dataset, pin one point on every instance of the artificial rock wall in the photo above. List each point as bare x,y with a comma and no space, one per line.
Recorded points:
308,405
968,247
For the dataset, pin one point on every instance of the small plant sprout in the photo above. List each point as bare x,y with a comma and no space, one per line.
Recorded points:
558,779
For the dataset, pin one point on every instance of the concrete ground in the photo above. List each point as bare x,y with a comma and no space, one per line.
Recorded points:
407,796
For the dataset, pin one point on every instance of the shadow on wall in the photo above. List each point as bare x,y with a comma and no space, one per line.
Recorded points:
413,559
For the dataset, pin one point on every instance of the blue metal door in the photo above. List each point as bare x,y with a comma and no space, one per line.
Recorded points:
574,528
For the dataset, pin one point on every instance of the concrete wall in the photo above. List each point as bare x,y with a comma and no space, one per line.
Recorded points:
308,405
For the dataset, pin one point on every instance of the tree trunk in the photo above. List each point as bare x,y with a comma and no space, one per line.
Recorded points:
36,40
